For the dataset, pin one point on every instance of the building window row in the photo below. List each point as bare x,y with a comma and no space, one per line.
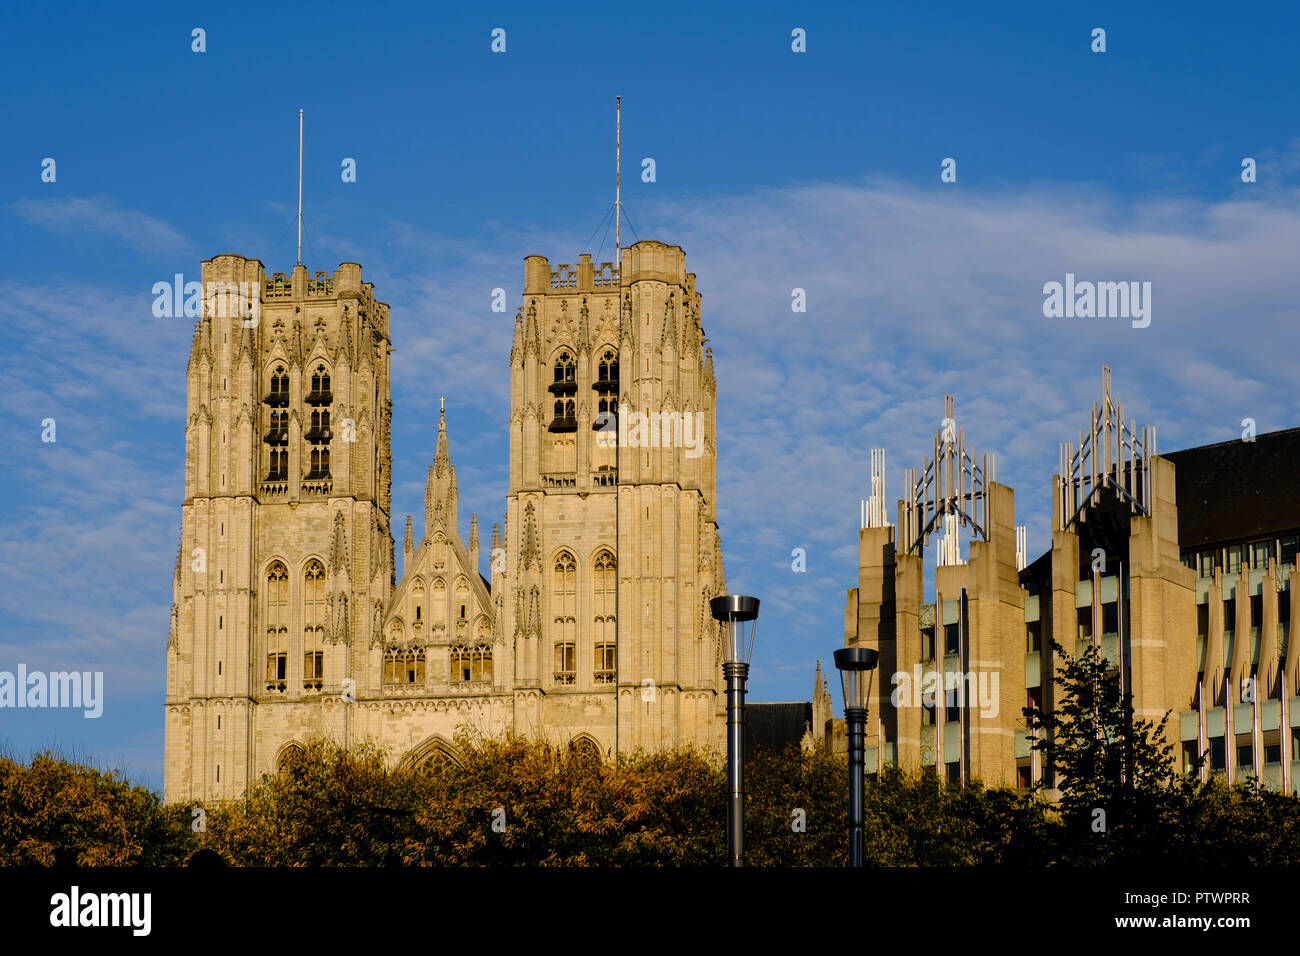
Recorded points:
1253,555
465,664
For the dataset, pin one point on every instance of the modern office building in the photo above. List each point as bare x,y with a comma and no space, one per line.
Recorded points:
1180,567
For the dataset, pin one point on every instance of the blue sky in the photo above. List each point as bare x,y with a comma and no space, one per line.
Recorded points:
775,170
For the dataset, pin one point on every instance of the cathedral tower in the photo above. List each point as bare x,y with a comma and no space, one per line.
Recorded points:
611,547
285,563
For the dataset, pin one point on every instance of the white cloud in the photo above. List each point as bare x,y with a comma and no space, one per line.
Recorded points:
74,215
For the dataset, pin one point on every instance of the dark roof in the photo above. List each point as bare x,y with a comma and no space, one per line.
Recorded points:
774,726
1238,489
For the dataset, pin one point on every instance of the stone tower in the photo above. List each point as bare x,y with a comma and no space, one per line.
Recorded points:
285,563
611,547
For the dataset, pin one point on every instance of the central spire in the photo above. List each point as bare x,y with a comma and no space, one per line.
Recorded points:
440,495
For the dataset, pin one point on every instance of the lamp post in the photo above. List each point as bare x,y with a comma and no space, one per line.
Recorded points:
857,666
735,611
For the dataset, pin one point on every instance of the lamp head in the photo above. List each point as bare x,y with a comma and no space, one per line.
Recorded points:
857,666
735,611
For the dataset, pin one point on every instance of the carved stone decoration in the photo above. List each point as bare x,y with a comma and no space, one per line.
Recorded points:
532,336
534,613
520,618
531,546
173,636
706,614
668,337
691,331
337,630
377,624
339,551
584,331
626,325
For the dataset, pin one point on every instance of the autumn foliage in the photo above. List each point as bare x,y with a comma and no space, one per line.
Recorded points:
515,802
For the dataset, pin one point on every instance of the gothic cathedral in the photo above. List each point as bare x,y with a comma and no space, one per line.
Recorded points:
593,630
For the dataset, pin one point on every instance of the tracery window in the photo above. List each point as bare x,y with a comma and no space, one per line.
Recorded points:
606,386
313,636
404,666
604,587
564,600
318,436
277,435
564,388
277,625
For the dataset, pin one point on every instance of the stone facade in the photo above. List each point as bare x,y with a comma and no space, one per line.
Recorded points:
288,621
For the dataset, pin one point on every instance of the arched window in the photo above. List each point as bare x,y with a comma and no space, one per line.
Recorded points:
608,369
417,603
320,393
277,435
604,586
564,388
313,638
438,604
606,386
564,601
318,436
288,758
462,599
470,663
277,626
482,662
437,763
566,370
459,666
404,666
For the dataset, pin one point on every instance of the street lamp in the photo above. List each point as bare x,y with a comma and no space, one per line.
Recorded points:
857,666
735,611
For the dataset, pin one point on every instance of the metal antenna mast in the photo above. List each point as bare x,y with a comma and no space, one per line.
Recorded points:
300,186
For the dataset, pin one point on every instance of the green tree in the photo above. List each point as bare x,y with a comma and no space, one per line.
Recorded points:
1112,769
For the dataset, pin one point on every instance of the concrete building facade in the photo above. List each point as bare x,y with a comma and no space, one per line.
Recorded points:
1180,568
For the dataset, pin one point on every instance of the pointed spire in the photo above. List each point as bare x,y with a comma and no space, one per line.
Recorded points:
584,334
408,545
473,532
516,347
196,345
669,336
710,382
496,537
440,494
